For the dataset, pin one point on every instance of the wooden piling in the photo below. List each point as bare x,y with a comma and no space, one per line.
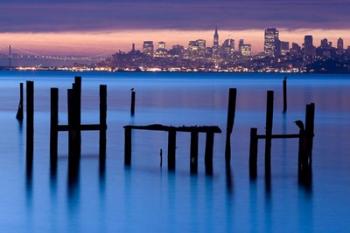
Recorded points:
77,89
194,153
268,130
301,147
74,127
171,149
30,119
133,99
209,148
77,113
19,115
231,111
127,146
309,132
103,121
54,124
284,95
253,153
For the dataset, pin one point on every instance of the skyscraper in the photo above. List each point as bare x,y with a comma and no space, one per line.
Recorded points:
340,44
240,44
309,49
216,39
271,44
325,44
148,48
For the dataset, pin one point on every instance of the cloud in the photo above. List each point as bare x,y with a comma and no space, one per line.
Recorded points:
89,15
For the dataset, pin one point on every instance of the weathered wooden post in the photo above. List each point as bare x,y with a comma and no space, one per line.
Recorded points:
285,95
253,153
76,111
268,131
70,123
54,124
103,121
73,126
309,132
127,145
194,152
30,119
19,115
231,110
171,149
209,148
73,141
133,99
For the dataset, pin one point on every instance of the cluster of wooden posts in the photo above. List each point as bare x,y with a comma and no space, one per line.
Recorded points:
305,136
74,128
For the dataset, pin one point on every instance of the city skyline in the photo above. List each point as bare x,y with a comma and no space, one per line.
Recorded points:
91,27
105,43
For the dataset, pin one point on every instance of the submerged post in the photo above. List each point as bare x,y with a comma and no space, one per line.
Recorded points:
253,153
268,131
301,148
285,95
231,110
133,99
171,149
19,115
209,148
194,152
127,146
103,121
309,132
76,111
74,127
30,119
53,124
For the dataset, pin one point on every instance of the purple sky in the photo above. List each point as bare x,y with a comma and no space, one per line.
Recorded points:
93,15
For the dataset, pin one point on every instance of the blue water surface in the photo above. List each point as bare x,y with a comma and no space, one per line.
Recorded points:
148,198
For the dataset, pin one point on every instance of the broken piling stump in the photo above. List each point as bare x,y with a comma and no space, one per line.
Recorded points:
268,130
209,150
194,153
285,95
103,121
133,100
231,112
253,153
19,115
53,124
30,119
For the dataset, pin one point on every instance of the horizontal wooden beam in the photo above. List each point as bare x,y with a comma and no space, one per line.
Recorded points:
280,136
159,127
84,127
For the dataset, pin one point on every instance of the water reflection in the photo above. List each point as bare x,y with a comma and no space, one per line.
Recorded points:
73,184
305,180
29,182
229,179
73,197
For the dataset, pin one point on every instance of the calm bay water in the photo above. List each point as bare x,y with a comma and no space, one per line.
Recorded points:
146,198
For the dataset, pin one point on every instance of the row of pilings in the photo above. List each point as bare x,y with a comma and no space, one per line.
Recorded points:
74,128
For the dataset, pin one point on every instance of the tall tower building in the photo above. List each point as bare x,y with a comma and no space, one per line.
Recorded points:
216,39
271,43
309,48
340,44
